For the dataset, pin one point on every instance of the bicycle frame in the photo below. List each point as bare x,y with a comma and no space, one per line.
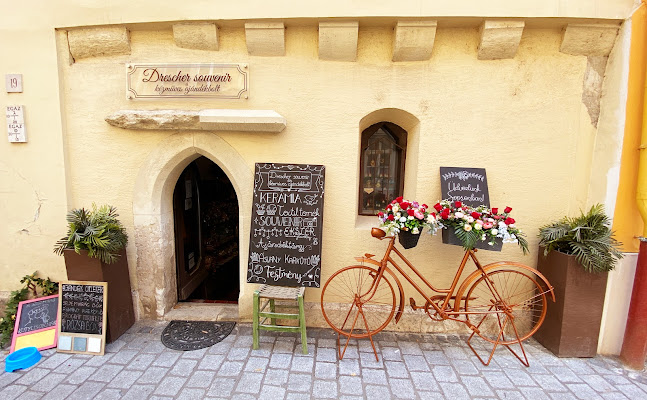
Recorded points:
442,310
441,303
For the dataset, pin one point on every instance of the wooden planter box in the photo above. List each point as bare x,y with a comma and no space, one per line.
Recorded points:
121,315
572,324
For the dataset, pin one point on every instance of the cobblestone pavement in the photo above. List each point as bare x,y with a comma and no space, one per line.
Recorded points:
411,366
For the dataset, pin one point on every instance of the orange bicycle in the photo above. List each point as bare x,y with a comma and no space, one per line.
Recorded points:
503,302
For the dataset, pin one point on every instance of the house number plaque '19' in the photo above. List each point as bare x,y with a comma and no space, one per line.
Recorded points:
224,81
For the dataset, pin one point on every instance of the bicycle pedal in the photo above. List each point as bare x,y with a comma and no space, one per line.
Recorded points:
412,303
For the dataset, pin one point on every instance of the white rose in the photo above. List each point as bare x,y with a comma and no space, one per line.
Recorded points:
501,224
398,215
459,215
470,219
410,217
415,231
403,219
478,227
467,227
395,208
494,231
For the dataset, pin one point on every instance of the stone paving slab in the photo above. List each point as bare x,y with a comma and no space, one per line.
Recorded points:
410,366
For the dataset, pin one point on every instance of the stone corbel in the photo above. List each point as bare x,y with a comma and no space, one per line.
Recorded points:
414,40
589,39
199,36
100,41
265,39
500,39
338,41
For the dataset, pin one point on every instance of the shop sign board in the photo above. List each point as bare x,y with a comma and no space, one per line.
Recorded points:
36,323
286,226
82,317
469,186
184,81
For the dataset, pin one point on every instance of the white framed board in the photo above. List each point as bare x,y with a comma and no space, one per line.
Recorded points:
82,317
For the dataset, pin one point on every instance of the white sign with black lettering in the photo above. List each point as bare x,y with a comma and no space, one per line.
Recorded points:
16,124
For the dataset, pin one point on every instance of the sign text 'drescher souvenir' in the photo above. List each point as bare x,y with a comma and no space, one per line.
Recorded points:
225,81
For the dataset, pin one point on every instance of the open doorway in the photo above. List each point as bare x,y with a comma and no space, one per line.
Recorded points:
205,211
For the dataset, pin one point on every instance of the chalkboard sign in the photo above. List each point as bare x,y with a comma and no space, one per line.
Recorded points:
82,308
36,323
469,186
287,216
82,317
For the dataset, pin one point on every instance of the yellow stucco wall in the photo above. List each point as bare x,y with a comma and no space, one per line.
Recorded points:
522,119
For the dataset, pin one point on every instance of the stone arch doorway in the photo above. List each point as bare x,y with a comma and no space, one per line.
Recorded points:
205,213
153,216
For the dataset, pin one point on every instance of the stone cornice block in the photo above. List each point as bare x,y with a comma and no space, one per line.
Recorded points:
101,41
500,39
242,120
414,40
265,39
338,40
207,120
589,39
199,36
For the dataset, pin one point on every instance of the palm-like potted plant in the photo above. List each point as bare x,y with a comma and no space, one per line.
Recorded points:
95,250
576,254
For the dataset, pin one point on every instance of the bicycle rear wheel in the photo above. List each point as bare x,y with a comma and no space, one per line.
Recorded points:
519,291
355,304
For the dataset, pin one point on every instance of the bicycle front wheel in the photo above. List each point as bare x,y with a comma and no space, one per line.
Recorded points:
355,303
514,290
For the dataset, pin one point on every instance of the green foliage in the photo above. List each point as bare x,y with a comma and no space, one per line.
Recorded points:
469,239
588,237
97,231
31,284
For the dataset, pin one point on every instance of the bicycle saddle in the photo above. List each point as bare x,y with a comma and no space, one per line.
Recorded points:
377,233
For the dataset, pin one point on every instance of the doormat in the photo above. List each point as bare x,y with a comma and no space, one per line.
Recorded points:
194,335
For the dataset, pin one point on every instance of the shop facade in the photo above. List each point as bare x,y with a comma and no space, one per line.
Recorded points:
535,95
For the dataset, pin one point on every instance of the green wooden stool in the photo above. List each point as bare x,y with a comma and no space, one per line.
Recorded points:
272,293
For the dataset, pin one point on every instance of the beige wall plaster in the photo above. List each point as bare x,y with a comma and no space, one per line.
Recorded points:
499,39
199,36
102,41
414,40
589,39
338,41
265,39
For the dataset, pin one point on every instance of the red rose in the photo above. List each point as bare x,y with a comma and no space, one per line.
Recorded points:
507,210
398,199
388,207
445,213
509,221
425,206
438,207
410,212
458,204
475,215
404,205
390,217
380,214
495,211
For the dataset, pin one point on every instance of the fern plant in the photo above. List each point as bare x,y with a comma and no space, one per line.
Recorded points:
588,237
98,231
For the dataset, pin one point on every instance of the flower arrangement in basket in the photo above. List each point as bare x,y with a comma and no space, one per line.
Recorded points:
407,219
473,224
470,224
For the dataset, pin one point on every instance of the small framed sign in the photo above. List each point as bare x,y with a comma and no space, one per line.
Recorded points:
82,317
469,186
36,324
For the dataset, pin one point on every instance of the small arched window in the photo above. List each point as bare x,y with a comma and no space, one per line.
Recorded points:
382,166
